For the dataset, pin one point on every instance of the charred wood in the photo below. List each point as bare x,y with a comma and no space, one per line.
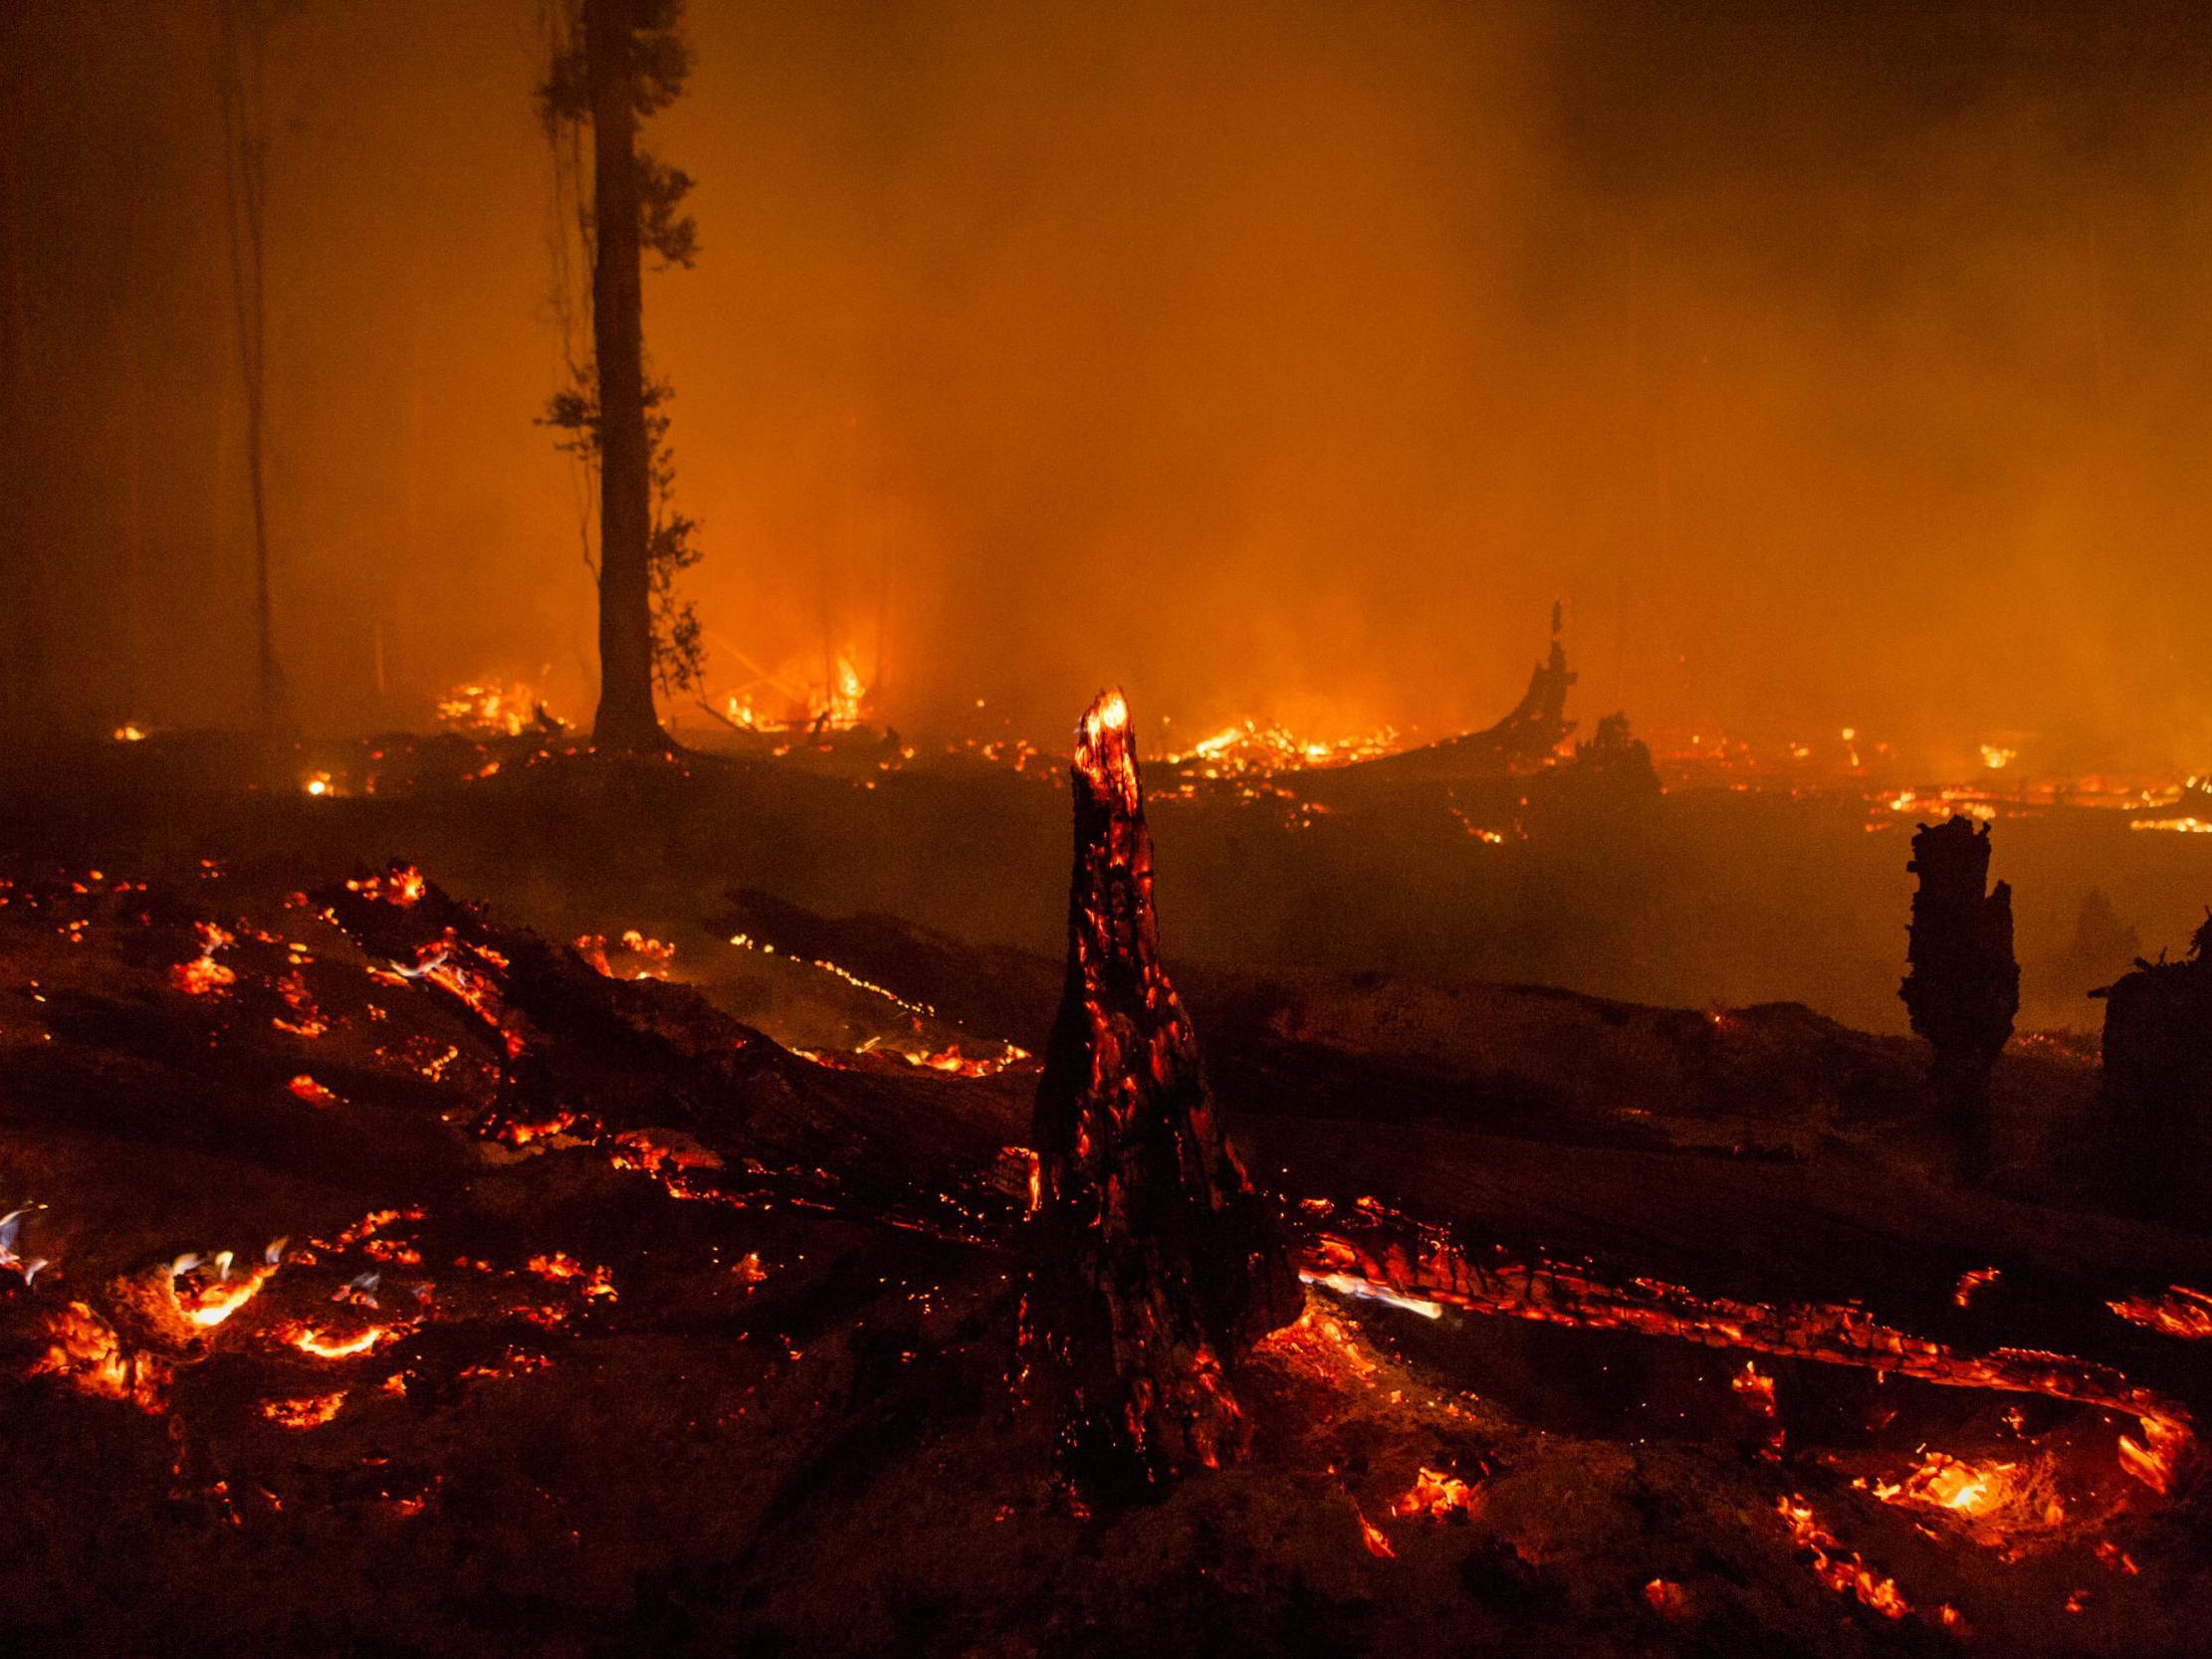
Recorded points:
1155,1264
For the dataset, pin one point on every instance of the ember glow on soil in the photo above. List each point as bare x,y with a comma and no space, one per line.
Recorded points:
1041,830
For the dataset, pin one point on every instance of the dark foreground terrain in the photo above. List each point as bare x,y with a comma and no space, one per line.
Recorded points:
415,1294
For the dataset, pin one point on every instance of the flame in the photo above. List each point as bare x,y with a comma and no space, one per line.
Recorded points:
492,709
209,1303
130,731
1251,748
809,704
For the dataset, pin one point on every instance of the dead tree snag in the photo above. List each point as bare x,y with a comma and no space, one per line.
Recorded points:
1962,986
1155,1264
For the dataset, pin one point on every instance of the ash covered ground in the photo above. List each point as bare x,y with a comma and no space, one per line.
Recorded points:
567,1293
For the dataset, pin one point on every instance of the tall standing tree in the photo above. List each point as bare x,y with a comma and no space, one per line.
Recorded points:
242,33
614,63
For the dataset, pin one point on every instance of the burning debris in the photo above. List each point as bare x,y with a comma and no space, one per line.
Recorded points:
1156,1266
1963,989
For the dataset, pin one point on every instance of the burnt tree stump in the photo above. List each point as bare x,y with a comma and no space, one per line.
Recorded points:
1155,1264
1962,985
2157,1085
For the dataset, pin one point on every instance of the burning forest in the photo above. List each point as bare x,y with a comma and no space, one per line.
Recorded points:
1599,1042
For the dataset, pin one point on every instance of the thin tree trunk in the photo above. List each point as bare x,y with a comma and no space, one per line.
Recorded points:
240,69
627,717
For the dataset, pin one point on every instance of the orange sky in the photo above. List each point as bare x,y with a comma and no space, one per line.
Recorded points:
1282,359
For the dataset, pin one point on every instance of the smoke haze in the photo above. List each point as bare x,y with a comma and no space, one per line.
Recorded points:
1835,365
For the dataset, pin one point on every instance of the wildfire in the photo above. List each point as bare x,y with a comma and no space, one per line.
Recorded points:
1251,747
2180,1312
835,704
494,708
592,947
130,731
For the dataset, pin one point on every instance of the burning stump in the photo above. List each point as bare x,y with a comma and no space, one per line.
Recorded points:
1963,987
2157,1087
1157,1266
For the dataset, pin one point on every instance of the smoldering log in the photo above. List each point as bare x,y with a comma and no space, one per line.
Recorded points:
1962,985
1155,1264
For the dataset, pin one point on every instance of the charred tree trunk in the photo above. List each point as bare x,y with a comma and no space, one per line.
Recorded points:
1963,987
1157,1266
2157,1087
627,719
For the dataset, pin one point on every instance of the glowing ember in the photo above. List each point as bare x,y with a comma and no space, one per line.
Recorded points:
1437,1497
203,974
1755,1388
2156,1459
314,1093
1846,1576
83,1350
1972,1280
596,1283
402,885
1372,1535
2180,1312
313,1411
321,1343
2008,1493
1418,1267
1666,1598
